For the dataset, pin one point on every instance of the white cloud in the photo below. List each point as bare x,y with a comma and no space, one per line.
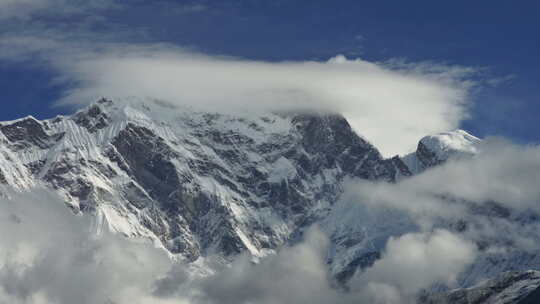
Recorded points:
295,274
502,172
48,255
415,261
298,274
392,107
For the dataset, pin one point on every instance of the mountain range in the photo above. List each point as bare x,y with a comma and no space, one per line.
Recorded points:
199,184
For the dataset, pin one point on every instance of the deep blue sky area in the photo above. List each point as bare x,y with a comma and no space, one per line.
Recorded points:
501,37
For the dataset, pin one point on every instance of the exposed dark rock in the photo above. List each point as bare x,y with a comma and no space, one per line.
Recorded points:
2,178
26,132
35,167
149,159
426,157
93,119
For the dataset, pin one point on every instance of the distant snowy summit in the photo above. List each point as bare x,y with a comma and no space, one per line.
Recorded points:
435,149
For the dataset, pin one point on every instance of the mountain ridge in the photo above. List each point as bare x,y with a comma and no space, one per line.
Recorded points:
80,155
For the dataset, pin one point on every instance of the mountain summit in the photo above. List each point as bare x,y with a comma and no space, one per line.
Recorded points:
198,182
435,149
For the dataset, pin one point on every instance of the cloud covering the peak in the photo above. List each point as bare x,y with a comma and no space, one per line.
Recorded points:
391,104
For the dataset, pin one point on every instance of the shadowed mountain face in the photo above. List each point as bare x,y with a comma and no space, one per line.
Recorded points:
203,183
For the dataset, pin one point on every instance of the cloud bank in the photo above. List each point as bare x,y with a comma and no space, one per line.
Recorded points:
48,255
94,57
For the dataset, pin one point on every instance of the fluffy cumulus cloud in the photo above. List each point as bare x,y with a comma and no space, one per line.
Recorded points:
48,255
296,274
415,261
384,102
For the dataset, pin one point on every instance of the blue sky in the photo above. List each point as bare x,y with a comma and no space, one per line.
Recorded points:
499,39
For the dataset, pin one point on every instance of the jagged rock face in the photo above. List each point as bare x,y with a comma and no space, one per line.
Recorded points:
427,157
27,133
199,182
507,288
94,118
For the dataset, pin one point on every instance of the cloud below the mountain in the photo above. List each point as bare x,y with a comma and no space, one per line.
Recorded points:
491,198
412,262
48,255
299,275
502,172
392,104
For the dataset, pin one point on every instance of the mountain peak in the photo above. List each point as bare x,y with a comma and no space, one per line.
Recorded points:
445,143
438,148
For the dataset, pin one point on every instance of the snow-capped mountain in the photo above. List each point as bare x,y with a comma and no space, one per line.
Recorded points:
202,183
435,149
198,182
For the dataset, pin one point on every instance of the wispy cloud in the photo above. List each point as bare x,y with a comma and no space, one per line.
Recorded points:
26,9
